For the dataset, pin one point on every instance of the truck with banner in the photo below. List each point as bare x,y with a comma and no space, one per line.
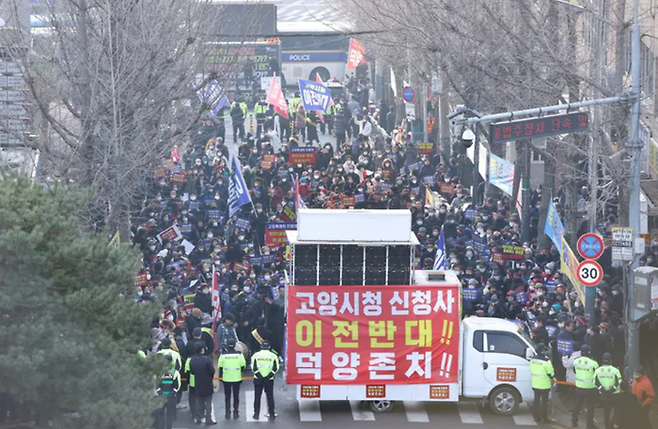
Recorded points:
363,325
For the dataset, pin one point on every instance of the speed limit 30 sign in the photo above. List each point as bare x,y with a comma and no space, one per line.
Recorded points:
589,273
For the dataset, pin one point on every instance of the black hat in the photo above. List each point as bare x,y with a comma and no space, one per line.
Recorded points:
584,350
541,348
607,358
230,343
166,342
265,345
196,332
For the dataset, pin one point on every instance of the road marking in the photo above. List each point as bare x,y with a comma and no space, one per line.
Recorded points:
249,398
523,416
309,411
415,411
469,414
359,414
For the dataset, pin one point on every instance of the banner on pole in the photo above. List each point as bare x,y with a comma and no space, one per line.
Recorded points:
501,174
315,96
554,227
372,334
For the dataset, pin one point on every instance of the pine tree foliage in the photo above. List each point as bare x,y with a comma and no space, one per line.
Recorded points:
69,330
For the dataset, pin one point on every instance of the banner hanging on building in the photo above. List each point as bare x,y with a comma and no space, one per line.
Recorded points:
501,174
372,334
568,266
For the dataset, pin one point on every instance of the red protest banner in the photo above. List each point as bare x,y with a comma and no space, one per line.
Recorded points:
356,54
275,232
178,178
170,234
268,161
446,188
302,155
372,334
348,201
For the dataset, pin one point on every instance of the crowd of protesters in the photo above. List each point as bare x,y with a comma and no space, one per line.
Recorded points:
364,161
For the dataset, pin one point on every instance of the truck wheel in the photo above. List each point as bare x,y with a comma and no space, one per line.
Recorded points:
381,406
504,401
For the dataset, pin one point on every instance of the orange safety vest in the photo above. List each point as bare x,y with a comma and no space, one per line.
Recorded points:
430,125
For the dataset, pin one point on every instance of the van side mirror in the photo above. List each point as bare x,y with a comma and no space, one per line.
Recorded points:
529,353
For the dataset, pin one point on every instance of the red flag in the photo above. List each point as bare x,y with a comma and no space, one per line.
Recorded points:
356,56
175,155
275,98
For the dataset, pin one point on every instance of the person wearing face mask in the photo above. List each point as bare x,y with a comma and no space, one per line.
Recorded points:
470,260
643,390
202,299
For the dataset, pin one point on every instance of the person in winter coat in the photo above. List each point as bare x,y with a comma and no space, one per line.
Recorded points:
568,360
631,414
226,332
204,371
202,299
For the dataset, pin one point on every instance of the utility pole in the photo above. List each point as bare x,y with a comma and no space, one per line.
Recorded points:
476,164
634,148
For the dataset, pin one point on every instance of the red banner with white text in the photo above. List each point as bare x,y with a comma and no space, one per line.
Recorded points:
372,334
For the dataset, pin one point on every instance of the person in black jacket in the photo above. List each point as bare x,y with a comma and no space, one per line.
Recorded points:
204,371
202,299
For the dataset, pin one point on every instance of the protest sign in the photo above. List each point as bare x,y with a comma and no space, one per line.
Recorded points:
302,155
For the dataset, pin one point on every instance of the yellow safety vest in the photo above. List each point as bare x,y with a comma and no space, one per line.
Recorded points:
584,368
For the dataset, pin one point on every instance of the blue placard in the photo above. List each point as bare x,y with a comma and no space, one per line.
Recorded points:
471,294
360,198
194,205
186,228
315,95
214,214
386,186
520,297
470,214
428,180
551,285
552,330
242,224
410,168
564,346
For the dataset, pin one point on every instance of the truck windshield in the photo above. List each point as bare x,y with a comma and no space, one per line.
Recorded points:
528,338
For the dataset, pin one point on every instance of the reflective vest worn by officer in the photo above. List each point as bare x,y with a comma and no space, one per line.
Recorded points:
607,378
542,372
584,367
230,364
169,384
265,364
260,109
175,356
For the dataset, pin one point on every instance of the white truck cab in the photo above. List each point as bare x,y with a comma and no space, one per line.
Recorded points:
496,363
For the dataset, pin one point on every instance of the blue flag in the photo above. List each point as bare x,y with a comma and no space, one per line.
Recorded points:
215,110
440,258
315,96
238,194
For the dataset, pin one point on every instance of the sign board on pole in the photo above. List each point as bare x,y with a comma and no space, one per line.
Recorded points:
408,94
589,273
539,127
410,111
590,246
622,244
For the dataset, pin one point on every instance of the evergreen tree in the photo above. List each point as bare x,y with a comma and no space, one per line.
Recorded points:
69,328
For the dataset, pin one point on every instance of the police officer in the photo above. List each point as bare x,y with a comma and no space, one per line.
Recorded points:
231,364
265,365
542,374
608,380
166,350
168,386
584,368
260,109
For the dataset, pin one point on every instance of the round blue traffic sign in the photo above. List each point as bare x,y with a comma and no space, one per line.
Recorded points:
408,94
590,246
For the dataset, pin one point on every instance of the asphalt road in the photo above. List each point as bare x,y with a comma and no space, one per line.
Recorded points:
335,414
